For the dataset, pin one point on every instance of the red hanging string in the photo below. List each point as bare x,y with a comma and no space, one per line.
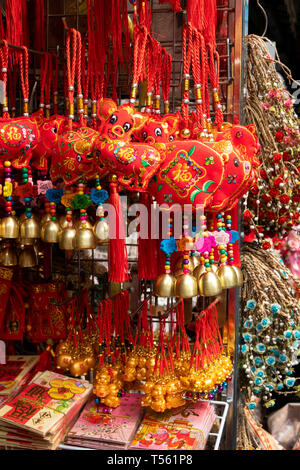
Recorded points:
71,49
49,85
44,69
175,4
39,28
166,78
195,13
186,58
118,258
147,247
55,84
24,64
4,71
210,22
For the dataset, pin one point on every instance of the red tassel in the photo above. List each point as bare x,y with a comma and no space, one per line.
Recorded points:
195,13
175,4
45,360
210,22
147,247
118,270
39,33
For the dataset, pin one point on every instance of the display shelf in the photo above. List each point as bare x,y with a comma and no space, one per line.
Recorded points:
221,414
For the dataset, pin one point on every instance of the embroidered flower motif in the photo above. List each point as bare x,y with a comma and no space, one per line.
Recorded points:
248,324
98,196
168,197
289,382
247,337
168,246
251,304
209,161
54,195
275,308
260,348
64,389
287,334
270,360
231,179
81,201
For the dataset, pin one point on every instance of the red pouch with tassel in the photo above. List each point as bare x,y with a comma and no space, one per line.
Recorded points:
6,275
46,316
13,325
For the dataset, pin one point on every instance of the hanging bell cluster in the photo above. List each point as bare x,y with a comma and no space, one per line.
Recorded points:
201,281
195,275
19,241
77,235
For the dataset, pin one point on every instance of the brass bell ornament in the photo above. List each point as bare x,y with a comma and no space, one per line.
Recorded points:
50,231
8,256
239,275
165,285
84,239
28,257
9,227
209,284
66,238
29,227
101,230
227,276
186,286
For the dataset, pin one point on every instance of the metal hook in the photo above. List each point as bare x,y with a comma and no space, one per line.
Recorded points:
266,17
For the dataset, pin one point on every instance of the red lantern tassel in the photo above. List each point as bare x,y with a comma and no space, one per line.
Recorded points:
195,13
147,247
118,259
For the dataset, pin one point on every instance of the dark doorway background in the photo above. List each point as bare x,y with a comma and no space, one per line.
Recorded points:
283,28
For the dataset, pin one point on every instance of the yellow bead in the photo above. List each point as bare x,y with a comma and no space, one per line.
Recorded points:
7,164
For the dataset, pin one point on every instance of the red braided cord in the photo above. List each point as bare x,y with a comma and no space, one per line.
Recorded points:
71,48
4,71
55,83
23,63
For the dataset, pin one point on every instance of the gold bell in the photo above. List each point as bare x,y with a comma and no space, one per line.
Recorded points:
227,276
63,222
209,284
9,227
50,231
239,275
28,257
84,239
193,263
198,271
165,285
101,230
45,218
8,256
29,228
66,238
186,286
